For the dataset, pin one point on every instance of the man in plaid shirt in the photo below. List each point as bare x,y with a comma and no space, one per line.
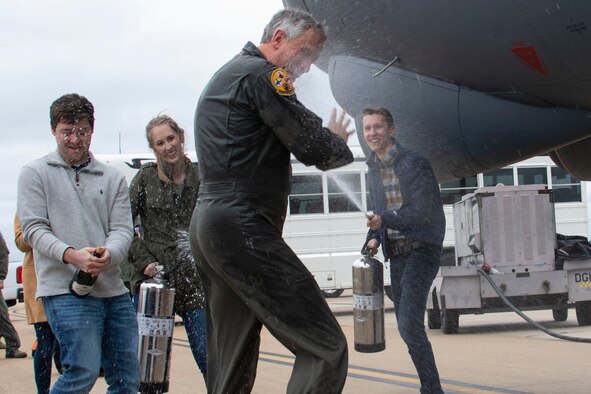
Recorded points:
409,223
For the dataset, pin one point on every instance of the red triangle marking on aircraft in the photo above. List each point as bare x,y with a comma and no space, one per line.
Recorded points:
529,56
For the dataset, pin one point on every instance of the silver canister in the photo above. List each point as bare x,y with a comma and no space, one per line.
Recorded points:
155,318
368,305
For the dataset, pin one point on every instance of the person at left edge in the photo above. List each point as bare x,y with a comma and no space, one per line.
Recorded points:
7,330
69,204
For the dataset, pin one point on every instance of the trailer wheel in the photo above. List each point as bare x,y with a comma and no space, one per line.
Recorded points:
333,293
450,321
434,319
560,314
583,309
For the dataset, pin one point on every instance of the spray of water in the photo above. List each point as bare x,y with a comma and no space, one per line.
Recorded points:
352,195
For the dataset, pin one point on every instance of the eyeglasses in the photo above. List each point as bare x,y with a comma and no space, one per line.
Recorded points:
80,133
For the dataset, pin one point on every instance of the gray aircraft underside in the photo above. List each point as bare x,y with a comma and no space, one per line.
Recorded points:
473,85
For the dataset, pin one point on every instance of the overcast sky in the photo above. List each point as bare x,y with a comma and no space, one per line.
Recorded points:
131,59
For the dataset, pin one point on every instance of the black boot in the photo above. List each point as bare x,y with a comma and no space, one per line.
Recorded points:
15,353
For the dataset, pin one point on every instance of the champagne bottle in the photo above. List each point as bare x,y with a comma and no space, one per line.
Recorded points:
82,282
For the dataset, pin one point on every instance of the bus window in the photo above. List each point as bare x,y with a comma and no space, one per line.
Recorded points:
566,188
306,195
452,191
532,176
344,192
503,175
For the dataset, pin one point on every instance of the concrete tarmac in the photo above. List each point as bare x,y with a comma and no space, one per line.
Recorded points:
492,353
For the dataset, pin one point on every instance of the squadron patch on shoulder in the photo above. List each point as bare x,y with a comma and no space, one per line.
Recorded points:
282,83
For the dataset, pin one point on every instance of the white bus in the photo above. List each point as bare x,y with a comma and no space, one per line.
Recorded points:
326,224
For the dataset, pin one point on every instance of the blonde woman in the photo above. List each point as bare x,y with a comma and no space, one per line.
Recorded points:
163,196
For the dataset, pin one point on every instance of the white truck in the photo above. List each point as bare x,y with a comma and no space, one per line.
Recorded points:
13,284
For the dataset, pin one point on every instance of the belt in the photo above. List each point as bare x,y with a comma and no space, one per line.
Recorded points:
276,191
402,246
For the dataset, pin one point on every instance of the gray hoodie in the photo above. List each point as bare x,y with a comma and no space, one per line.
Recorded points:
60,209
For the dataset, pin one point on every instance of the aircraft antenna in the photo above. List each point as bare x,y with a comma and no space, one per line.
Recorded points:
396,58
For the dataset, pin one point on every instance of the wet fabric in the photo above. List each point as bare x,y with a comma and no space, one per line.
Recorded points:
47,350
422,221
245,131
103,325
50,195
194,321
162,212
253,280
411,276
421,215
95,332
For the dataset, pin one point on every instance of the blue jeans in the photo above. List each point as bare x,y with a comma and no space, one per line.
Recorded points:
195,326
194,321
47,349
411,278
94,332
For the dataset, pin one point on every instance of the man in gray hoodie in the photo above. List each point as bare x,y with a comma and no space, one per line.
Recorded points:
75,213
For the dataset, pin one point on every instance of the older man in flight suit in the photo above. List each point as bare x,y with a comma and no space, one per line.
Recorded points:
248,122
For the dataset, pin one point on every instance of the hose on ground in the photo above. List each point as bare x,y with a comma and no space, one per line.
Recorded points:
486,276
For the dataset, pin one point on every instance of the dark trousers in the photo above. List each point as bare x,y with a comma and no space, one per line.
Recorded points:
411,277
252,278
47,350
7,330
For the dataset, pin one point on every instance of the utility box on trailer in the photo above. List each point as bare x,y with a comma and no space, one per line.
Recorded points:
510,227
511,231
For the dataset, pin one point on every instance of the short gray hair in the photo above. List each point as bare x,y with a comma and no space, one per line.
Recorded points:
294,22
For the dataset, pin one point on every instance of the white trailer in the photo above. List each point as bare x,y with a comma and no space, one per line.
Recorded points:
511,229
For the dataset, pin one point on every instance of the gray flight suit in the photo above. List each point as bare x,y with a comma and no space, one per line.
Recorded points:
248,122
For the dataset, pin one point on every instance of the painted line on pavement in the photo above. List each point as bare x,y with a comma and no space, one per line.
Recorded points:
380,375
394,378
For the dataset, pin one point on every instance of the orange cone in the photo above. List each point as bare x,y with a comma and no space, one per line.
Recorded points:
33,348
